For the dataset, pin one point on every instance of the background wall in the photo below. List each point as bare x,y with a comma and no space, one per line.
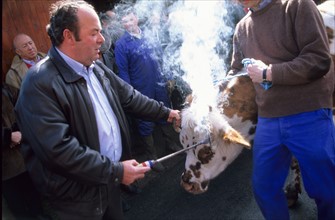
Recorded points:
30,17
20,16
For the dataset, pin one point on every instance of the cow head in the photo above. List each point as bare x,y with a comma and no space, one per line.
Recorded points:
230,125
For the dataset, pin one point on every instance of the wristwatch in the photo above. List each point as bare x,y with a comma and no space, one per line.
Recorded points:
264,74
266,84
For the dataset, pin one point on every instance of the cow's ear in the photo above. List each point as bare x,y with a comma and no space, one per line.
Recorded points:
233,136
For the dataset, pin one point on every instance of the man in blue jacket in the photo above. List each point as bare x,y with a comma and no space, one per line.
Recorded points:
138,63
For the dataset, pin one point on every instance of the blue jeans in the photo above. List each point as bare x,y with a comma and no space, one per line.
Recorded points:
310,137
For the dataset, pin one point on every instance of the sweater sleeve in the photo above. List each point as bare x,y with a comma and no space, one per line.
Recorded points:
313,60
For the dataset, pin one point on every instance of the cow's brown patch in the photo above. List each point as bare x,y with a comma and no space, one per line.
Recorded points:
205,154
188,100
182,140
193,141
186,177
195,169
239,99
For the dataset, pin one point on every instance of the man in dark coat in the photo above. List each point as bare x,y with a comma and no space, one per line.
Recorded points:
71,111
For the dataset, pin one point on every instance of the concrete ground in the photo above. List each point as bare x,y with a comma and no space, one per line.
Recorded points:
229,196
6,214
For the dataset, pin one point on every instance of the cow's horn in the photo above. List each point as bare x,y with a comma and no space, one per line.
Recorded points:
235,137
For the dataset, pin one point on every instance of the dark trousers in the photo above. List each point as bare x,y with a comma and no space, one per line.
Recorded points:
114,210
21,197
110,203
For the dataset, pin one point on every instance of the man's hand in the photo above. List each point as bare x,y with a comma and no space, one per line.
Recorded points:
255,71
132,172
16,139
174,117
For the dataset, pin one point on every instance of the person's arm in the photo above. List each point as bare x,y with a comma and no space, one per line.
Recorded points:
132,171
237,56
43,113
13,78
313,60
121,61
131,101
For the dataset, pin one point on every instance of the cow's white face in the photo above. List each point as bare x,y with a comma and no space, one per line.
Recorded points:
228,132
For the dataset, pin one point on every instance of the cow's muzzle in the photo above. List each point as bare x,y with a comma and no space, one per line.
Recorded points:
193,187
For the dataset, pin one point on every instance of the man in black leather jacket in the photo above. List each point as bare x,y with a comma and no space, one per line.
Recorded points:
71,112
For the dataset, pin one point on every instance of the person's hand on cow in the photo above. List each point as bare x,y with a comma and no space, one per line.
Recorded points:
174,117
255,71
132,172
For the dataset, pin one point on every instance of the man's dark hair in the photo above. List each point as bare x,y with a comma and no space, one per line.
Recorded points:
122,10
63,15
105,18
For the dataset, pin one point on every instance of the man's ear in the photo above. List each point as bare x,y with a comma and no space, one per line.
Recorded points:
18,52
68,36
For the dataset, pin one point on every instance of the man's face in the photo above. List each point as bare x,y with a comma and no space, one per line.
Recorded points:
130,22
25,47
86,50
249,3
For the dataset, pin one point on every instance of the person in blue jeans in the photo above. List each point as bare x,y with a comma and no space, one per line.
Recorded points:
293,76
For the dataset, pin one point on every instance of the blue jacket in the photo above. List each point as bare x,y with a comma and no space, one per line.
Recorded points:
138,64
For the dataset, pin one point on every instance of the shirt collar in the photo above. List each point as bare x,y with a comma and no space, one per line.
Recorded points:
139,35
32,62
75,65
261,5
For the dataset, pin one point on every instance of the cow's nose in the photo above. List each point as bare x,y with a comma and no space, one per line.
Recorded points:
192,187
187,186
186,176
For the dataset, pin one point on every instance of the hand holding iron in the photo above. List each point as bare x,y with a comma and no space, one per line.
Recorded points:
259,72
132,171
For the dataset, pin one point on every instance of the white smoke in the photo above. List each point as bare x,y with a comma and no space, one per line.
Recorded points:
196,37
200,25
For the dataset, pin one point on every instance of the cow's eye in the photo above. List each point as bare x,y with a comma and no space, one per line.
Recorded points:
205,154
